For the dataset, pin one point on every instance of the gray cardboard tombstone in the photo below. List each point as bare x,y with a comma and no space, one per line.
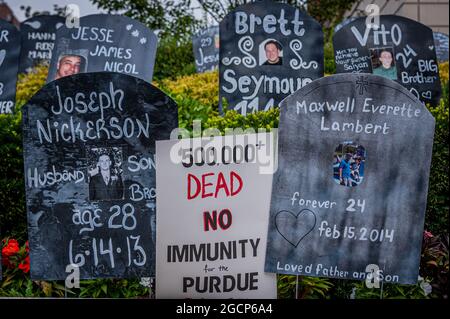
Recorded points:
312,213
75,129
408,44
38,38
103,42
9,65
206,49
441,44
248,81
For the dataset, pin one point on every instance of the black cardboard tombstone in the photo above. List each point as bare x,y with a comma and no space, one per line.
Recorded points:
206,49
38,38
268,50
401,50
9,65
89,144
441,44
110,43
352,180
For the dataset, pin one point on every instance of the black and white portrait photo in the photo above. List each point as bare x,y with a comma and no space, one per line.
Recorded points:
105,181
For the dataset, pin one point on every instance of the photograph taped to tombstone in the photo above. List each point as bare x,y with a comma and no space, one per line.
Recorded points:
38,35
268,50
319,227
9,65
383,62
103,42
408,43
70,63
206,49
89,147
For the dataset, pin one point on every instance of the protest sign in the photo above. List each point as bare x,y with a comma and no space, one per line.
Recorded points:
213,206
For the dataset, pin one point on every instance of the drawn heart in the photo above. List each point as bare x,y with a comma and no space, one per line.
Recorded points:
431,47
295,227
426,95
2,56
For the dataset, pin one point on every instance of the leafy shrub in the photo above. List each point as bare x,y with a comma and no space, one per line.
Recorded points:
12,197
197,96
29,84
305,287
436,218
389,291
328,52
231,119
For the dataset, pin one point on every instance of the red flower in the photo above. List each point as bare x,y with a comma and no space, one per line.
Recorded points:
25,265
10,250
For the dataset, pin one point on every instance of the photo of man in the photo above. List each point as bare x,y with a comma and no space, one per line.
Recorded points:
105,183
348,164
383,63
273,53
68,65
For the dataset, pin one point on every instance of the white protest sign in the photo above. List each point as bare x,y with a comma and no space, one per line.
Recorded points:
213,208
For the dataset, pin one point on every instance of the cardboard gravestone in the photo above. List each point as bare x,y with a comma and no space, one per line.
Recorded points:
351,187
213,206
38,37
400,49
441,44
206,49
9,64
111,43
268,50
89,145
